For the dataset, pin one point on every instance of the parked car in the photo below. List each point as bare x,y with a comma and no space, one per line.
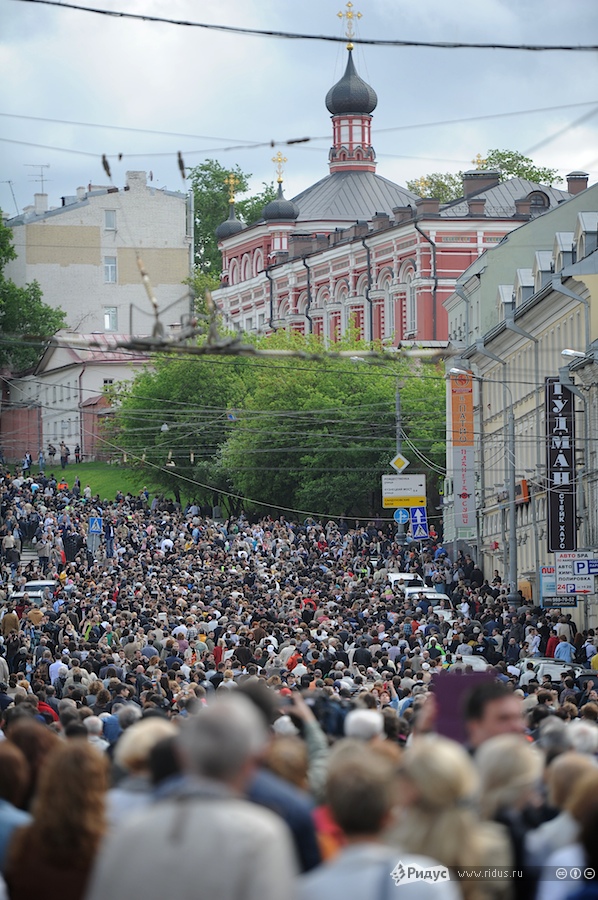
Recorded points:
38,591
477,663
544,665
402,580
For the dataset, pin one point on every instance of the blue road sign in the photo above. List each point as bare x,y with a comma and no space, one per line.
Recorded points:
401,516
95,525
419,522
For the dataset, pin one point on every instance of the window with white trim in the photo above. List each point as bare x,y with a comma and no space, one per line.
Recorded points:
410,304
110,270
110,318
110,220
389,311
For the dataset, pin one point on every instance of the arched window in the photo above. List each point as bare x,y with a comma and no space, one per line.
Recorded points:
538,201
246,268
233,272
258,262
389,309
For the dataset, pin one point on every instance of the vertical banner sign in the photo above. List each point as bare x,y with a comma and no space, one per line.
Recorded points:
463,449
560,467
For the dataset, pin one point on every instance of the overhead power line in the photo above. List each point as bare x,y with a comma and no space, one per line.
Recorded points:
298,36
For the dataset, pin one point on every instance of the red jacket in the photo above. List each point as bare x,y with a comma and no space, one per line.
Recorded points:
551,646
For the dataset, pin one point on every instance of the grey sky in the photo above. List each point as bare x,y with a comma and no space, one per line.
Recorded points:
68,65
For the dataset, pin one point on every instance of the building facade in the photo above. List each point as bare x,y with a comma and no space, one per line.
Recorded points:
65,397
357,250
84,255
548,304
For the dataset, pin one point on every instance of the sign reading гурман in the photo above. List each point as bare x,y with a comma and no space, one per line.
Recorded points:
560,467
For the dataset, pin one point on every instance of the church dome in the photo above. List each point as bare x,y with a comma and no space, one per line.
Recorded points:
230,226
351,94
279,208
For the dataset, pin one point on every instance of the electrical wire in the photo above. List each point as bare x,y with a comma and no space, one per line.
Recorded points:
289,35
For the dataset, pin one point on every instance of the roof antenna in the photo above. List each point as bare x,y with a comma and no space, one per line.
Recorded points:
41,167
10,184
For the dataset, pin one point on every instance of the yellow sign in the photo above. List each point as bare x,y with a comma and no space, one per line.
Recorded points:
396,502
399,462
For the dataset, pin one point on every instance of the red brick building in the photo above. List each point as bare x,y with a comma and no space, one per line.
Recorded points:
355,248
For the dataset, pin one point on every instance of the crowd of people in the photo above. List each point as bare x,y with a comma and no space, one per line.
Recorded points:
262,707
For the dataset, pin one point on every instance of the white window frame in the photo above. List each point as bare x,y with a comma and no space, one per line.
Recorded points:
110,270
410,305
111,318
109,220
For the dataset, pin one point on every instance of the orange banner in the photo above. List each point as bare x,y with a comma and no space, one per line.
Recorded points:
463,450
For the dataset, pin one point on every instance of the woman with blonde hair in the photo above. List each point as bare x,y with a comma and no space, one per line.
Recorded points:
55,853
437,813
511,772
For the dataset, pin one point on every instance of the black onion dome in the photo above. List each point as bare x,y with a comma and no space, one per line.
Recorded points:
230,226
279,208
351,94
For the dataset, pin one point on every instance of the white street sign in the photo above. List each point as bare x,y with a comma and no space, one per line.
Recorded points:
403,490
572,568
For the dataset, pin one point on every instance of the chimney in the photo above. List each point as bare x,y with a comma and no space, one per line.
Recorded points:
361,228
402,213
136,180
523,208
427,206
476,206
479,180
40,204
577,182
300,245
380,221
81,193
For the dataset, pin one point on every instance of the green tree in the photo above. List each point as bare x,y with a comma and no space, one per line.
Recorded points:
512,164
173,419
443,185
26,322
211,193
318,435
447,186
276,434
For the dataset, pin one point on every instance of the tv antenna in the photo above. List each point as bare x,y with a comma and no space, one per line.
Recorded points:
10,184
41,167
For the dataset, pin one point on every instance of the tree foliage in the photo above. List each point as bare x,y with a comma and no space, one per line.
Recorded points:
512,164
211,204
23,315
443,185
447,186
306,435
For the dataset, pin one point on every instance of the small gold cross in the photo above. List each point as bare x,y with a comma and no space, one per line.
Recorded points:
349,16
479,162
279,159
231,181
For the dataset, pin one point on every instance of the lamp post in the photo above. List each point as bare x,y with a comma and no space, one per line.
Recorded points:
511,478
400,533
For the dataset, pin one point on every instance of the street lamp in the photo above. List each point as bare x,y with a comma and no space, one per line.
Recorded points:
511,477
400,535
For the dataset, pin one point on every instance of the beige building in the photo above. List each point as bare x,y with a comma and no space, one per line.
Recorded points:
549,304
84,255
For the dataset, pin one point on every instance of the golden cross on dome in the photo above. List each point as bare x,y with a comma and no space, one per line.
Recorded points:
350,16
479,162
231,181
279,159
